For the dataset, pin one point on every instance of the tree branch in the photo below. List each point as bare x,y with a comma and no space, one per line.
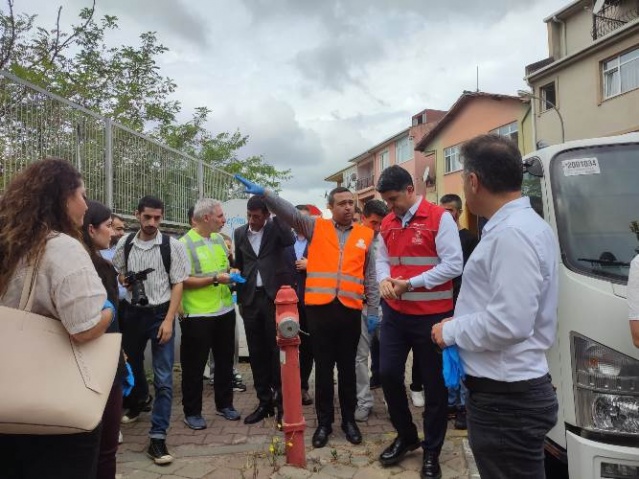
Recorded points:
57,46
12,38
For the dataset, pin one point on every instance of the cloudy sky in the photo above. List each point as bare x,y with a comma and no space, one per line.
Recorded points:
316,82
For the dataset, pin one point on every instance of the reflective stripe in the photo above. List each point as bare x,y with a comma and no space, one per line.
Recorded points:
321,290
192,247
345,277
427,296
414,260
348,294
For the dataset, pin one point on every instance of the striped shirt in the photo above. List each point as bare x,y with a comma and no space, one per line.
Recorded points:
146,254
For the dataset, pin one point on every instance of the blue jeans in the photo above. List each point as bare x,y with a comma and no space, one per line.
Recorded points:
457,396
507,431
142,325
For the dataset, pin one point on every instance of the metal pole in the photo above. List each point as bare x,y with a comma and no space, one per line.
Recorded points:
553,106
200,179
108,162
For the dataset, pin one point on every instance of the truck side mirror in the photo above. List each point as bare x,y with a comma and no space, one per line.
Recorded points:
534,167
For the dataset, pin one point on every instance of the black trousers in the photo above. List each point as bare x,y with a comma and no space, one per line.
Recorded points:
335,331
65,456
199,336
401,332
264,354
506,431
375,359
306,349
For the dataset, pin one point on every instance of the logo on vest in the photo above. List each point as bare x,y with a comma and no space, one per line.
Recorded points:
418,238
360,243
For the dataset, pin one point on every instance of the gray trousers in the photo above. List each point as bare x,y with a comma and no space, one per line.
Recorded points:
364,394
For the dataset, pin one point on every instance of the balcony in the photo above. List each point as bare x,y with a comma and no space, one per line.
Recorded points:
613,14
365,182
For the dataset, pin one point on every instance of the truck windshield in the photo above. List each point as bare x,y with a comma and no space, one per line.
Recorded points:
596,196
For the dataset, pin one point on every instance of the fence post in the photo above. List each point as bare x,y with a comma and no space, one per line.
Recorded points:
200,179
108,162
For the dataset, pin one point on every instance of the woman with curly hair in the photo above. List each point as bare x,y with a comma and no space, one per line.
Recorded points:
41,213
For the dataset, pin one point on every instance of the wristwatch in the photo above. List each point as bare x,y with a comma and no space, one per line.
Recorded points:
215,281
409,286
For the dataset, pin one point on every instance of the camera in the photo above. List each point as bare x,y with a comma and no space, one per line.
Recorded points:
135,281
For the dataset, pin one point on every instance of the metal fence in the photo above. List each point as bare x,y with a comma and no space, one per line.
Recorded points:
119,165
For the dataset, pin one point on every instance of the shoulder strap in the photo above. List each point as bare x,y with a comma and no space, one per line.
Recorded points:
28,288
165,251
128,244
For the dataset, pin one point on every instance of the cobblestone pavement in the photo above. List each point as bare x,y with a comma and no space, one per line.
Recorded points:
234,450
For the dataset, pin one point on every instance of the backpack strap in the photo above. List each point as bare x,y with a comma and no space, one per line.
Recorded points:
165,251
128,244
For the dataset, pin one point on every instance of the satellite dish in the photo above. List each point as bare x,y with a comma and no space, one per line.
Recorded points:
599,4
426,175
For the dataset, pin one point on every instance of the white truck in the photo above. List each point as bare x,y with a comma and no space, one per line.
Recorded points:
588,191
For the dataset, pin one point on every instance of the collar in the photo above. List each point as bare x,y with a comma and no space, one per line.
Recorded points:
157,239
341,227
505,211
411,212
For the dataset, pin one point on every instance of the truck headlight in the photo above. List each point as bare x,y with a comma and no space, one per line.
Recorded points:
606,388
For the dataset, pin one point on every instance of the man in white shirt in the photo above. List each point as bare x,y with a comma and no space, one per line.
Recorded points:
505,317
633,300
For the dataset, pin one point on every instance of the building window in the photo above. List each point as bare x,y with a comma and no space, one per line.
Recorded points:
509,131
452,156
621,74
548,96
404,149
383,160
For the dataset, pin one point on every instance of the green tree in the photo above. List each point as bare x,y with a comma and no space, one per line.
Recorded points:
122,82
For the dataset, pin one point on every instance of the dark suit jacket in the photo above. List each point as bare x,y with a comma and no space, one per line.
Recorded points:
273,261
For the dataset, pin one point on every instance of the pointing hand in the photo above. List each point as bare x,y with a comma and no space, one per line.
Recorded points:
250,187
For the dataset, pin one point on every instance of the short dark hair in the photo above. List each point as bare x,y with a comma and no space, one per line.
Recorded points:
303,208
334,191
375,207
451,198
116,217
256,203
189,213
394,178
495,160
150,202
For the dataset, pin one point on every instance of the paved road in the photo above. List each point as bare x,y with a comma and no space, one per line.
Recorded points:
234,450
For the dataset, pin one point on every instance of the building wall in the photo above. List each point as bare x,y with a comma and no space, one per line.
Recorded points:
578,32
579,88
478,116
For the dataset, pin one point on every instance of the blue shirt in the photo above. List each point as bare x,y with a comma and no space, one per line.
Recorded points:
506,314
300,247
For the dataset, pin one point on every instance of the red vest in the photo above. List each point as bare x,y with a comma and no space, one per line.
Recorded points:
411,251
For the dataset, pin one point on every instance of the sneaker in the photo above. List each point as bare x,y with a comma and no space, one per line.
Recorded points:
362,413
120,438
130,416
158,452
238,385
418,398
452,411
195,422
460,419
229,413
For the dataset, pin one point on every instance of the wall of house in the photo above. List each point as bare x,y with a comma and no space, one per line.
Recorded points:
586,114
578,31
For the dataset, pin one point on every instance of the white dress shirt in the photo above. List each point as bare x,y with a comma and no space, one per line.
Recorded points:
633,290
451,259
506,314
255,238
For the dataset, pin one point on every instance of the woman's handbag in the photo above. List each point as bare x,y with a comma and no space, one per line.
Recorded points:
49,384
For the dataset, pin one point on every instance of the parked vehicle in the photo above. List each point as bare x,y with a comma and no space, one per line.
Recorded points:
588,191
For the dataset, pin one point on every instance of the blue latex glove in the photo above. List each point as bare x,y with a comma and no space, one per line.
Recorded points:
237,278
372,322
453,370
128,381
250,187
109,305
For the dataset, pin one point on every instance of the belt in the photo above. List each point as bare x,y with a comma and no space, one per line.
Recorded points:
260,289
154,308
486,385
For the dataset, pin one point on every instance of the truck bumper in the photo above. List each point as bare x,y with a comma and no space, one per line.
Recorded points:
596,460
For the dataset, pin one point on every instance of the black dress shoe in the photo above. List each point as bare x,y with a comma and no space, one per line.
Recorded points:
397,450
320,437
307,400
353,435
431,469
262,412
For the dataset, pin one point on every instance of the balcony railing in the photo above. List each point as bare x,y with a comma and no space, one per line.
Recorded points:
366,182
613,15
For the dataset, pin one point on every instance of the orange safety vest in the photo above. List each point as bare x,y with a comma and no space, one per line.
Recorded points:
411,252
334,272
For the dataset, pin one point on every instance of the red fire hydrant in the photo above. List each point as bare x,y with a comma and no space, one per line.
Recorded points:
288,339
